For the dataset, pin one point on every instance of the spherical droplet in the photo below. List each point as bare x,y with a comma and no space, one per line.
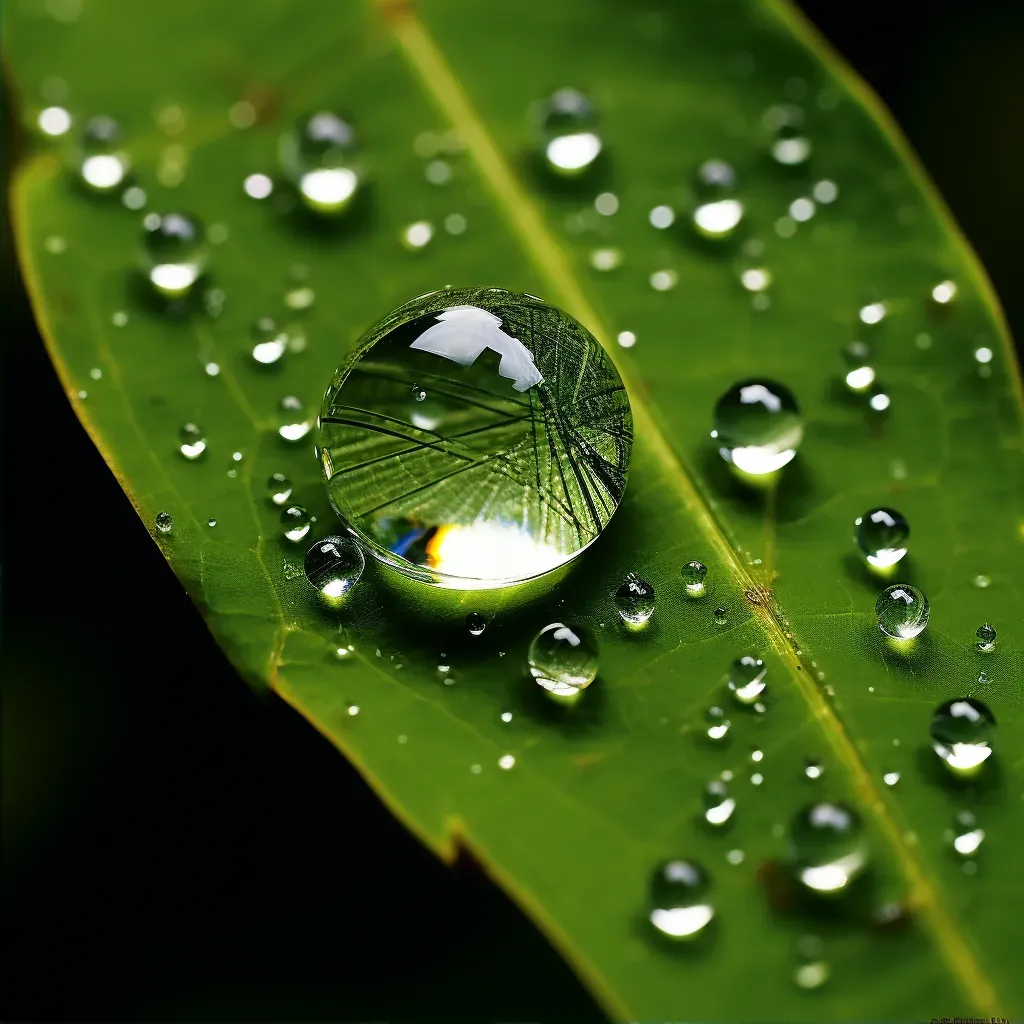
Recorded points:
679,904
902,611
269,342
718,724
881,534
511,465
174,255
694,574
758,426
788,144
966,837
295,520
813,769
635,601
860,374
721,616
294,424
192,441
568,131
962,732
102,165
986,634
476,623
318,157
718,805
747,678
279,488
563,659
828,848
164,522
333,565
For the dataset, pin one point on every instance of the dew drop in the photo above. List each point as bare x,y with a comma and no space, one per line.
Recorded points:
318,157
664,280
258,186
735,857
902,611
891,778
872,313
825,191
811,975
455,224
627,339
438,172
718,724
353,710
607,204
605,259
789,146
294,425
944,292
333,565
986,634
506,762
134,198
269,342
860,374
416,235
981,581
662,217
164,522
563,659
966,837
814,769
694,574
747,678
758,426
295,520
54,121
718,805
962,732
102,165
678,900
721,616
211,522
881,534
801,209
174,255
634,601
299,298
192,441
756,279
568,128
827,847
119,319
476,623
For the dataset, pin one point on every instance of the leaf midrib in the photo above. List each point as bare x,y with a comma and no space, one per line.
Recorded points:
441,85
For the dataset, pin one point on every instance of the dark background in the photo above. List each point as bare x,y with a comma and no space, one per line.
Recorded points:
178,847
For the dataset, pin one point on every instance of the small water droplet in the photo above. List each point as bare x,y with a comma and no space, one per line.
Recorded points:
295,520
717,212
881,534
662,217
825,191
962,732
627,339
944,292
353,710
758,426
506,716
102,164
54,121
134,198
814,769
981,581
801,209
476,623
747,678
718,724
735,857
607,204
506,762
164,522
694,574
891,778
902,611
983,354
333,565
718,805
721,616
415,236
872,313
986,634
678,899
455,224
789,146
664,280
756,279
211,522
438,172
294,425
174,253
193,443
606,259
634,601
860,374
318,157
966,837
563,659
299,298
269,341
568,128
812,975
827,847
258,186
343,650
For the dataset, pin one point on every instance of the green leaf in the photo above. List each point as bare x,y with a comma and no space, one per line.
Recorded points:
595,799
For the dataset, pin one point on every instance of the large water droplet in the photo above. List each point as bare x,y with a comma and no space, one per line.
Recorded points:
174,253
318,157
718,805
902,611
680,908
102,165
279,488
694,574
510,467
295,520
193,443
881,534
634,601
758,426
568,129
747,678
827,847
563,659
986,634
333,565
962,732
164,522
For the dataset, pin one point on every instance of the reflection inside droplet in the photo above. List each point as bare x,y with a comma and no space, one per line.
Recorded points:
573,152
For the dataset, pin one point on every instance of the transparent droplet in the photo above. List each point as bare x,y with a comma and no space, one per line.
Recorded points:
54,121
416,235
828,847
102,165
801,209
679,905
506,762
476,623
318,157
718,219
902,611
891,778
860,374
211,522
164,522
627,339
664,280
747,678
944,292
447,490
606,259
455,224
568,130
721,616
718,724
981,581
333,565
174,256
755,279
295,520
811,975
825,191
279,488
269,342
718,805
607,204
789,145
758,426
878,398
881,534
814,769
634,601
662,217
563,659
294,424
965,836
962,733
258,186
694,574
986,634
872,313
193,443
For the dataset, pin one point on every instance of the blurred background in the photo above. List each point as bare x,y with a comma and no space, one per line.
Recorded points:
176,847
